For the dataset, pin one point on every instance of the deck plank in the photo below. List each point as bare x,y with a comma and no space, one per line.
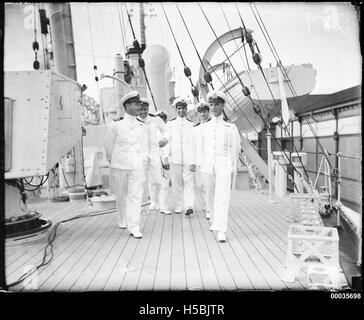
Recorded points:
248,239
147,275
98,282
130,280
80,262
178,271
175,253
263,242
208,273
72,231
25,251
162,279
90,271
222,271
122,266
52,275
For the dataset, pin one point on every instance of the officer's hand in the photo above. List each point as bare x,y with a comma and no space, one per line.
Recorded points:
162,143
192,167
166,164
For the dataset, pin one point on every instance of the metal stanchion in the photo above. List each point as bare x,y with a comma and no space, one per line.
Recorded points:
269,155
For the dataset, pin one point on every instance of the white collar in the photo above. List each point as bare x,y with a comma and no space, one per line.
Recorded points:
147,119
218,119
129,117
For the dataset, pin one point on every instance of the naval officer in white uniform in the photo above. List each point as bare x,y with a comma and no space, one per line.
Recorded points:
178,136
165,172
155,129
203,111
125,145
219,151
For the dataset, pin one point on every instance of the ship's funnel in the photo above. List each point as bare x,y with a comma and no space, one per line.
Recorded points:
157,68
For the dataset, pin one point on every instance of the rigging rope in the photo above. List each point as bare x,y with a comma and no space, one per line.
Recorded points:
241,82
242,22
246,92
290,85
122,28
275,139
255,109
248,72
95,66
186,69
207,74
141,61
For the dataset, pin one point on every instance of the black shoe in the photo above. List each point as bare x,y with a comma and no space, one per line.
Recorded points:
188,211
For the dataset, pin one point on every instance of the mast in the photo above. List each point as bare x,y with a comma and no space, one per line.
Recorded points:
62,39
65,63
142,24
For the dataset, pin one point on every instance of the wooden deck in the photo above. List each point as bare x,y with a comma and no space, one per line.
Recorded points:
176,252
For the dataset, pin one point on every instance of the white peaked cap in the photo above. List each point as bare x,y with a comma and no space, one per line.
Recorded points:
145,100
179,99
213,94
130,95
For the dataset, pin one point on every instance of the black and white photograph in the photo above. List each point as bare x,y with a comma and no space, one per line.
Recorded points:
182,146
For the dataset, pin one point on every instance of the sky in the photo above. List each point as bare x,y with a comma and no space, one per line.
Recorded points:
325,35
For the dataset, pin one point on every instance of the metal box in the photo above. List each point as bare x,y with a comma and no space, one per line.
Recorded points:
46,120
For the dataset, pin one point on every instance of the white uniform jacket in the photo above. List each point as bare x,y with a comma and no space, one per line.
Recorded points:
155,130
178,136
219,146
125,143
195,146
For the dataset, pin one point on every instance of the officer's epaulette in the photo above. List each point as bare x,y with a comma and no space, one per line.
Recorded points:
152,115
197,124
118,119
140,120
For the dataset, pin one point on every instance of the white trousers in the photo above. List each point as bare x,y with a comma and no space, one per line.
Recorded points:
182,187
200,185
164,192
127,186
218,184
152,182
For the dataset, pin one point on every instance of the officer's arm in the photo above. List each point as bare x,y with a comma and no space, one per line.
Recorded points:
168,136
144,143
236,143
109,140
162,130
192,149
